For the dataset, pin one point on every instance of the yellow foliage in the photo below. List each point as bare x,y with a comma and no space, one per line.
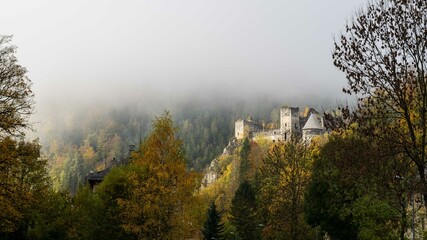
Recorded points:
284,176
22,180
162,190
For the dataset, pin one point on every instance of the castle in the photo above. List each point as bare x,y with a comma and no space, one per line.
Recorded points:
292,124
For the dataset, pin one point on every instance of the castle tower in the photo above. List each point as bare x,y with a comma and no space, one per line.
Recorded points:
313,127
239,129
289,122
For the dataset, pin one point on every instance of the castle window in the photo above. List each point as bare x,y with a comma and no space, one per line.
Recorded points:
296,126
286,125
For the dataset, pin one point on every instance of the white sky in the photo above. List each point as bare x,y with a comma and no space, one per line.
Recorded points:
104,49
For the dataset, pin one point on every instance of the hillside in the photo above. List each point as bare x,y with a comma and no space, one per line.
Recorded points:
75,143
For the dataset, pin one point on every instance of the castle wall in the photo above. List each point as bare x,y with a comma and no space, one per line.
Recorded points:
273,135
244,128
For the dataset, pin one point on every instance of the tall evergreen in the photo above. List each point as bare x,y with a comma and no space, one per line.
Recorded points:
244,159
243,211
213,228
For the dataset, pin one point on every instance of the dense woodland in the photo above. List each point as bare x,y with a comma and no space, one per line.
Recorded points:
363,179
89,140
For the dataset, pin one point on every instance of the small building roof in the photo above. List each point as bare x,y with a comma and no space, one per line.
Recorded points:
312,123
97,176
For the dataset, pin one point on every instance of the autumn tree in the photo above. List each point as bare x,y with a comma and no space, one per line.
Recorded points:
161,187
284,175
383,53
23,182
16,97
212,227
354,193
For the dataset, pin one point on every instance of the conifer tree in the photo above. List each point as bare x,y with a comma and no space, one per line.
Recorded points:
243,211
244,159
212,228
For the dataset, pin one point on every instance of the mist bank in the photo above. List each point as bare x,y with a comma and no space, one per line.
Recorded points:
62,106
65,100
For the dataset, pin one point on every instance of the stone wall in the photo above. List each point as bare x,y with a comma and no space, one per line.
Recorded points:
244,128
273,135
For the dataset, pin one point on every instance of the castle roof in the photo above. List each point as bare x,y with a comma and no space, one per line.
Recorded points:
312,123
98,176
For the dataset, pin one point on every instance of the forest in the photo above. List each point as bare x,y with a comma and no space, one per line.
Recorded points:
365,178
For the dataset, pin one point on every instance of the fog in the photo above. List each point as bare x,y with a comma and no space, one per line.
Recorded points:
80,53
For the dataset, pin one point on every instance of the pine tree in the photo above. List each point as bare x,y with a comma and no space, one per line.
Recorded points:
243,211
213,228
244,159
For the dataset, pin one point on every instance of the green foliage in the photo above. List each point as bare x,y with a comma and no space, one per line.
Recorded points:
330,194
86,216
116,185
351,193
52,221
244,159
23,185
244,212
375,219
283,180
212,228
